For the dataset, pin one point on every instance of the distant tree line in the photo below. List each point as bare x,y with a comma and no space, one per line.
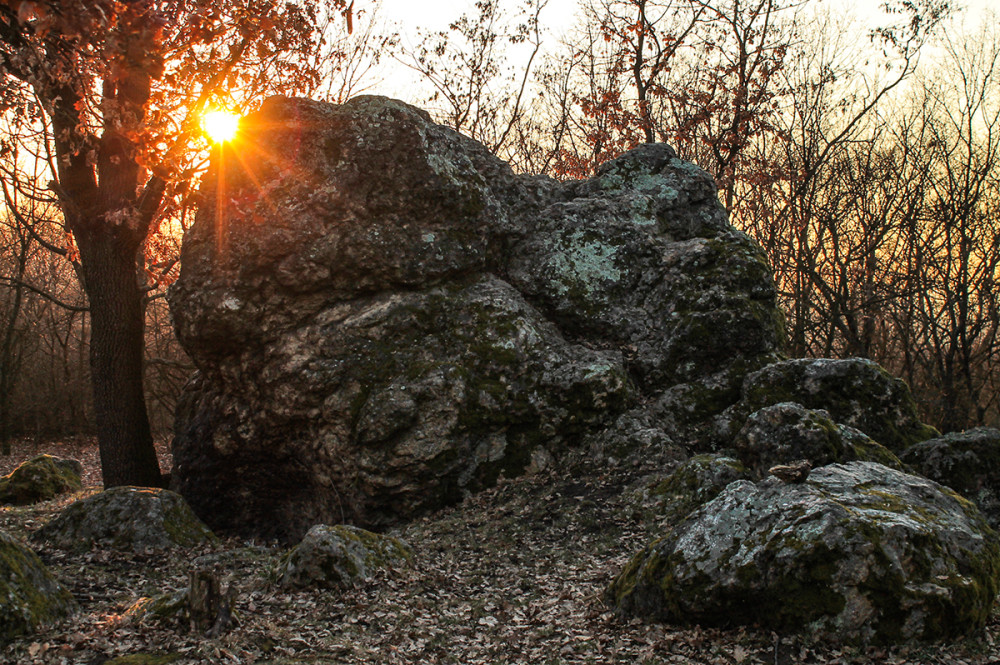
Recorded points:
864,160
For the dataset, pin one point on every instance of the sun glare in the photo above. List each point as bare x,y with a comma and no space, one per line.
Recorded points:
220,126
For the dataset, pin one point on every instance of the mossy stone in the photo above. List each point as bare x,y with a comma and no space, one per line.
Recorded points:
787,432
854,391
127,518
694,483
29,595
39,479
858,553
339,556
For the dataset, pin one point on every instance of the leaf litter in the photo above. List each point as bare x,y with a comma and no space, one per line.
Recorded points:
514,574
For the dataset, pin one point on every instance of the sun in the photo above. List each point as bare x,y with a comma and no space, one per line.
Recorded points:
220,126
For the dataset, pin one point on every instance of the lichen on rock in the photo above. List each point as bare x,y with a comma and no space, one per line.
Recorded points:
29,595
339,556
859,553
136,518
39,479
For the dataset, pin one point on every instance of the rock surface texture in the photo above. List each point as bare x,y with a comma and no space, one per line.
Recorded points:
855,392
384,316
857,553
29,595
787,432
137,518
967,462
39,479
338,556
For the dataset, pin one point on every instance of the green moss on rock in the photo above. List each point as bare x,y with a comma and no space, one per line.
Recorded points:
696,482
127,518
788,432
39,479
339,556
855,391
29,595
859,553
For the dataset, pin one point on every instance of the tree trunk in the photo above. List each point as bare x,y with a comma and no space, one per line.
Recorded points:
116,359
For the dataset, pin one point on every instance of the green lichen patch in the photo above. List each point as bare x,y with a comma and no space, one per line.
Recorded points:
134,518
29,595
39,479
339,556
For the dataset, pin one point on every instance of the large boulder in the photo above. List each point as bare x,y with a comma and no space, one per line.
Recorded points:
136,518
858,553
39,479
853,391
385,317
967,462
29,595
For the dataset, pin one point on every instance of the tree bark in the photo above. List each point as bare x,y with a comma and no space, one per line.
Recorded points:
128,456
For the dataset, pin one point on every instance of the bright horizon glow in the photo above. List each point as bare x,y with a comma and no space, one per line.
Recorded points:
220,126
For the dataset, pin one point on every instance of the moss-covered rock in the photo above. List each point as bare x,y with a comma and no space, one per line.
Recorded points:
858,553
854,391
39,479
788,432
135,518
339,556
694,483
29,595
968,462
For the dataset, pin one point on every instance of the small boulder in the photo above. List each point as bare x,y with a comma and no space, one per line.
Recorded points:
968,462
338,556
29,594
853,391
39,479
134,518
788,432
858,553
694,483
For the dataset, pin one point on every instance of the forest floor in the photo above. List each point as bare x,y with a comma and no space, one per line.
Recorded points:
514,574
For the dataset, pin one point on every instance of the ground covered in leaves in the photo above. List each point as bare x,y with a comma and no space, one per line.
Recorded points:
512,575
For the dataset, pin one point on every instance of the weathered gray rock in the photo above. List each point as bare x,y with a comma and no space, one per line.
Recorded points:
29,595
694,483
854,392
788,432
859,553
39,479
967,462
384,317
135,518
339,556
